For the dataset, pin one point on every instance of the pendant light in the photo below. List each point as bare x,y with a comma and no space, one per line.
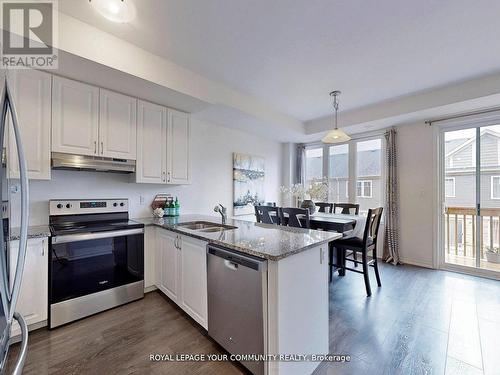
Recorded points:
336,135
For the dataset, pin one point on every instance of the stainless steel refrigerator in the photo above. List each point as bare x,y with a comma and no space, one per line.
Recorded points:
10,286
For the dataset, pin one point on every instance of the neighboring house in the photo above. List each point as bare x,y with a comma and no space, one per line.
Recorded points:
460,167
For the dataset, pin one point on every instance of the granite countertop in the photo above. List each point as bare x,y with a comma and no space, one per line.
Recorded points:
267,241
35,231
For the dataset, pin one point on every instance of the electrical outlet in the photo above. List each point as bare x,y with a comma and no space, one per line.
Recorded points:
141,200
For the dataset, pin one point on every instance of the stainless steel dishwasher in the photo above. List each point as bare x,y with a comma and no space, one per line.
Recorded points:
237,303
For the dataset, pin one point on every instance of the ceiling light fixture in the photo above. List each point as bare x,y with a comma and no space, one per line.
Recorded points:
121,11
336,135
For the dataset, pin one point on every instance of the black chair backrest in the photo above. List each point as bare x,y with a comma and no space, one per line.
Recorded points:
372,224
267,214
346,208
272,204
324,206
291,216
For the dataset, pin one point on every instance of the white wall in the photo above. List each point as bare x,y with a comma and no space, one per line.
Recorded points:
416,166
212,149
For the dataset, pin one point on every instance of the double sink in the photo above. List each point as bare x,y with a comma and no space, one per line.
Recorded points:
206,226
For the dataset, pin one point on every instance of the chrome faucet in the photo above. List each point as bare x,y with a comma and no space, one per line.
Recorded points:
223,211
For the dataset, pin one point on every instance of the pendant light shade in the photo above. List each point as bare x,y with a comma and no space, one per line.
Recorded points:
335,135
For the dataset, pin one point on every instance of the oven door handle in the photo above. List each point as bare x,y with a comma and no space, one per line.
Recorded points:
94,236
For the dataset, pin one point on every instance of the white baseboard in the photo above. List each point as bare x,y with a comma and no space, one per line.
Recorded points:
418,263
150,288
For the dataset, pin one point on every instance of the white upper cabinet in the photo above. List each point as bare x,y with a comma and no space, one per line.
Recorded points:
117,125
163,145
151,143
75,117
31,90
179,147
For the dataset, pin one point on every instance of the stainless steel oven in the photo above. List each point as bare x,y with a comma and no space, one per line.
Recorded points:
96,258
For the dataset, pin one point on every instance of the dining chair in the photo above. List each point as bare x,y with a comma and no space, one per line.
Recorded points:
272,204
324,206
292,216
362,245
346,208
267,214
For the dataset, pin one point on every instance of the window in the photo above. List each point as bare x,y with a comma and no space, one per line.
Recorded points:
369,174
338,172
495,187
314,164
354,171
364,189
449,187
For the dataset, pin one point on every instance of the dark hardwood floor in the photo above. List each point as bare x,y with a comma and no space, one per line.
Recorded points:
420,322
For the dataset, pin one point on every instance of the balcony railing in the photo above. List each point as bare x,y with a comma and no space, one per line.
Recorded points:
460,231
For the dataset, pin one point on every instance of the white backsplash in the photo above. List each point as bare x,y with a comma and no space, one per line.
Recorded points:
212,183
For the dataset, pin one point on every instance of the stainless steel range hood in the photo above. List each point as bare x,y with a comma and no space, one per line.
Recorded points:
91,163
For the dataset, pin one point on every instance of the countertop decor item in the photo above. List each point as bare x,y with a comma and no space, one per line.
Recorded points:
158,212
309,204
248,180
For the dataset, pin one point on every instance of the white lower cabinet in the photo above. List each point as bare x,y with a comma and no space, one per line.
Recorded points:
193,275
149,258
168,261
32,303
182,273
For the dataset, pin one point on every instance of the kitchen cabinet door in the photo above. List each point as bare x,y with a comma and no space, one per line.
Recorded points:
31,90
169,259
194,292
32,303
179,148
117,125
150,258
151,143
75,117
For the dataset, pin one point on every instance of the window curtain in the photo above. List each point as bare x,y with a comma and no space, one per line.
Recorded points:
299,173
391,241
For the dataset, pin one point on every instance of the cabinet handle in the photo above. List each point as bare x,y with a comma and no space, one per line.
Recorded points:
102,147
180,247
163,174
43,248
168,174
175,242
95,147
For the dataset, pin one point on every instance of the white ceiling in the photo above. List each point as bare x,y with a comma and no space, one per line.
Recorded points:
292,53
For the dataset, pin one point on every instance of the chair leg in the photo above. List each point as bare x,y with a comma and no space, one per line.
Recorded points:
365,274
355,257
330,260
341,260
375,266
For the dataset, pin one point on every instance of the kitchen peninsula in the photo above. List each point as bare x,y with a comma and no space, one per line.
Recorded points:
295,287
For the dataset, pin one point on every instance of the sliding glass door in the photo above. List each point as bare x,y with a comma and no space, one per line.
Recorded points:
470,186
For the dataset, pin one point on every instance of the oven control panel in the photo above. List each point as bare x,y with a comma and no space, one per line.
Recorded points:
87,206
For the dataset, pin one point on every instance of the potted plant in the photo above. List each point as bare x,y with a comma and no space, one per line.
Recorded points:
493,254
